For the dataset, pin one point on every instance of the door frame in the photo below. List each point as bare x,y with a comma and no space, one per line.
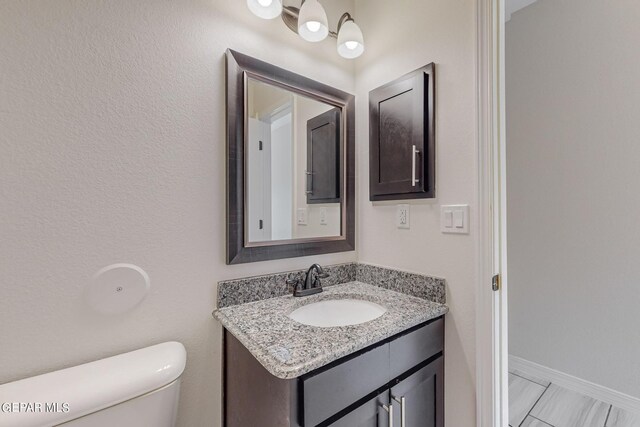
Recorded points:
491,306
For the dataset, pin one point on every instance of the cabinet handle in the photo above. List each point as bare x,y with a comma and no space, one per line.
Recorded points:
414,153
401,401
389,410
309,180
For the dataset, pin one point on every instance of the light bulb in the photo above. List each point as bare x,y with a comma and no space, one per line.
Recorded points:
351,45
265,9
313,26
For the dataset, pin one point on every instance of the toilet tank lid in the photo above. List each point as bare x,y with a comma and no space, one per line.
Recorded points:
90,387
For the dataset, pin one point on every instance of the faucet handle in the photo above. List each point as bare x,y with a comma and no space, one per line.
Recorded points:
318,276
319,271
295,282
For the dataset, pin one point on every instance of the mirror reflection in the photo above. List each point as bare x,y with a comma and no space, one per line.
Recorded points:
293,165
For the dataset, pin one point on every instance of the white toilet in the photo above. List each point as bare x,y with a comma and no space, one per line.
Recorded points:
138,389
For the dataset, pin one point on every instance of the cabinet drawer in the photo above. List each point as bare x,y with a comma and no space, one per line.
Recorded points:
415,347
330,391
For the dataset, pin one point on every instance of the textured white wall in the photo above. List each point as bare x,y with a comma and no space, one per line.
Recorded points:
402,36
573,205
112,150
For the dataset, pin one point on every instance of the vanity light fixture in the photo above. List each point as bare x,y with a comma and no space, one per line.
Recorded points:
310,22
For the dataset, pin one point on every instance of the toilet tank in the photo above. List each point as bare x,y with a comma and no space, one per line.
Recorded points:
139,388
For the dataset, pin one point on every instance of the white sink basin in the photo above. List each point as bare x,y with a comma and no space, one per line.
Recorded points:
337,312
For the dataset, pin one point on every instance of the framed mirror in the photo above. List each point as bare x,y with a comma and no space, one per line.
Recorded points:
290,164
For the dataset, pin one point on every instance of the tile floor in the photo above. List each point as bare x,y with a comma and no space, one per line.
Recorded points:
537,403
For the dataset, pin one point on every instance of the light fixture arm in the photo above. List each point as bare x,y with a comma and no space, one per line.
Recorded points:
344,18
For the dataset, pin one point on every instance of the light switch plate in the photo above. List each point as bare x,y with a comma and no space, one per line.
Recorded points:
448,218
454,219
302,216
402,216
323,216
458,219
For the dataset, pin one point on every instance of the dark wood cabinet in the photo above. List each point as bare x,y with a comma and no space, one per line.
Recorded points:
323,158
358,390
418,399
327,392
422,393
402,137
369,414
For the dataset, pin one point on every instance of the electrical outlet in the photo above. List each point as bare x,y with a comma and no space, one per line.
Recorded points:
323,216
302,216
402,216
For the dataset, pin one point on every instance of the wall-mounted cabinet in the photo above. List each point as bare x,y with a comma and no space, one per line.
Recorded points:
323,158
402,137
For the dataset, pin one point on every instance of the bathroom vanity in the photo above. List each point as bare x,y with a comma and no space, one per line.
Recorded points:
387,371
356,345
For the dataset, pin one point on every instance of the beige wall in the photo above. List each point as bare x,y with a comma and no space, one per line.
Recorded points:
402,36
573,157
112,140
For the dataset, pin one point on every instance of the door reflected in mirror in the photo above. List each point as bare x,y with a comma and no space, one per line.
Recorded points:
293,165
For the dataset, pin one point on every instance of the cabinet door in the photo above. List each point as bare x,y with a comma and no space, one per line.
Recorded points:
327,392
423,394
323,158
401,137
369,414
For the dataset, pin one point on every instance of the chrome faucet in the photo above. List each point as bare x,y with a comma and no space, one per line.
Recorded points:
311,284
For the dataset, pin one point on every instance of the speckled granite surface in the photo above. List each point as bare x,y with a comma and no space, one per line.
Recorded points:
249,289
418,285
288,349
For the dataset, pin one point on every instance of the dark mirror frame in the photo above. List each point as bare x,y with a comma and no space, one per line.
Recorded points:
239,68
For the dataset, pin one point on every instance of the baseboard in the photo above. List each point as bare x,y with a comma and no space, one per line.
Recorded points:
604,394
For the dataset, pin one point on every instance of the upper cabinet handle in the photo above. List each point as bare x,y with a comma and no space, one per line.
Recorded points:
309,182
414,153
389,410
401,401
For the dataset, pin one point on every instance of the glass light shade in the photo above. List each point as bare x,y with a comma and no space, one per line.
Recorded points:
313,25
265,9
350,40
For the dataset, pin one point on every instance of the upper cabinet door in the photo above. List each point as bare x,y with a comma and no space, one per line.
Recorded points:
402,137
323,158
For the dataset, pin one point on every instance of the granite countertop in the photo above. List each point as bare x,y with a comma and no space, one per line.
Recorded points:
288,349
